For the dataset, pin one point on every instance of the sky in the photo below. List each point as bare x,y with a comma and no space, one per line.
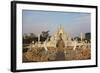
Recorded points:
35,21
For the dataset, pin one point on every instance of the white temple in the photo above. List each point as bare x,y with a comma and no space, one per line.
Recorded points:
59,46
55,37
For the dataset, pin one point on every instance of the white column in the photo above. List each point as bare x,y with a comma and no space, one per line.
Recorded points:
45,46
75,43
81,36
38,38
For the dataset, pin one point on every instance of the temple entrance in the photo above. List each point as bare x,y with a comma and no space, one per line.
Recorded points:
60,49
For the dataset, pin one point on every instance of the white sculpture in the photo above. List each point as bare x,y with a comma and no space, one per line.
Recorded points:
55,37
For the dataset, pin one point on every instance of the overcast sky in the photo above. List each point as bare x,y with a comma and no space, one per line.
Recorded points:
38,21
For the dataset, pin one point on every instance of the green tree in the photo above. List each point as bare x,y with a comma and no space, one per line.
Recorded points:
88,36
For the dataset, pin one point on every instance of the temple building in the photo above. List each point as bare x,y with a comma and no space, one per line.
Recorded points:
55,37
61,35
59,47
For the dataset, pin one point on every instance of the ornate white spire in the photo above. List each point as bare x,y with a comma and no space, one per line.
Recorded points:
61,30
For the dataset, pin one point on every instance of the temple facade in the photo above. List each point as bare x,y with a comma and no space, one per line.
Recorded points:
56,36
58,47
59,34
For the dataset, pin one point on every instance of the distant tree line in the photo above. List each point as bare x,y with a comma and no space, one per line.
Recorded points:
27,39
87,37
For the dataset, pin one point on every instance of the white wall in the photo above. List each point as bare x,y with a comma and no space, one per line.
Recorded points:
5,36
